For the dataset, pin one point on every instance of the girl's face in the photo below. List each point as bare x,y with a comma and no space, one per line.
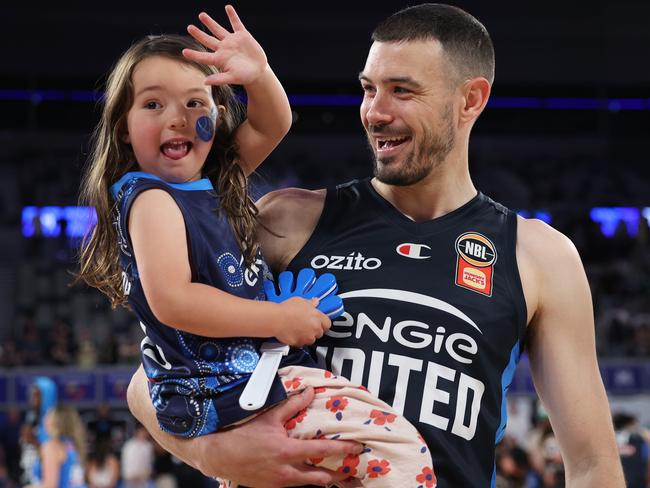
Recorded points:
168,98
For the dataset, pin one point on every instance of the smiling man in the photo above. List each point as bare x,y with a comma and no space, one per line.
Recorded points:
443,287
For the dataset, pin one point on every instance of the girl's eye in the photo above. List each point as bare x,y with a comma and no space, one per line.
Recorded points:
195,103
152,105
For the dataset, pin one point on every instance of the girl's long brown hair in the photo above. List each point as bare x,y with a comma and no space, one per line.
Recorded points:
111,158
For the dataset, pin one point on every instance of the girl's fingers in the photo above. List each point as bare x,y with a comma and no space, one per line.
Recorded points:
213,26
202,37
235,21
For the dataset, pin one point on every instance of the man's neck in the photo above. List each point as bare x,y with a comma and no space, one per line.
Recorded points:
436,195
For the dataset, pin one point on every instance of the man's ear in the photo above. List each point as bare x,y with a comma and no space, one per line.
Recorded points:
475,97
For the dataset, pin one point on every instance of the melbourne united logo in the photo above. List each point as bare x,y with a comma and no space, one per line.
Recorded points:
437,376
231,270
475,266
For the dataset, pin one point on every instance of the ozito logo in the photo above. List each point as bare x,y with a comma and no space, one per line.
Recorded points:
353,261
475,266
413,251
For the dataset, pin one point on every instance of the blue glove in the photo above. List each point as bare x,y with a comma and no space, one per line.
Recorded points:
307,286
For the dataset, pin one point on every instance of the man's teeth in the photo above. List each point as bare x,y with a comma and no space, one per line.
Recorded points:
391,141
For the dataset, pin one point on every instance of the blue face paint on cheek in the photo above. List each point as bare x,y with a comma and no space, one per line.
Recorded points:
205,125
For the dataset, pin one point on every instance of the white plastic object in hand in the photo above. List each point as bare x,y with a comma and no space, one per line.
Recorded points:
257,389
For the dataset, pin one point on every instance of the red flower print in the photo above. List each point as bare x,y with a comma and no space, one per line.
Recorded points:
380,418
319,389
427,478
336,404
349,466
328,374
293,383
291,423
315,461
362,388
378,468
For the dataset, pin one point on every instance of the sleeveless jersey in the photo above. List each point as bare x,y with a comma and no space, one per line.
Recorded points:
194,381
71,474
435,318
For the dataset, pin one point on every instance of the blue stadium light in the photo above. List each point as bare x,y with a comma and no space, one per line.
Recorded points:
542,215
610,218
50,221
78,221
354,100
28,220
646,214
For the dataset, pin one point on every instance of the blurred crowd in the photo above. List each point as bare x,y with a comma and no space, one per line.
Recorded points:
122,454
55,321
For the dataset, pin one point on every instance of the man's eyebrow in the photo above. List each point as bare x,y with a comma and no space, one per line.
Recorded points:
160,87
403,80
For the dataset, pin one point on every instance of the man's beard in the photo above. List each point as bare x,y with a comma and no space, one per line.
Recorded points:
422,160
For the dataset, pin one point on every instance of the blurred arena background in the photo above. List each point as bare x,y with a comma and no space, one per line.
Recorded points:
565,138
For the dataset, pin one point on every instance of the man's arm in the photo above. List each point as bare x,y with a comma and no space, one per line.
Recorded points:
288,218
257,453
562,350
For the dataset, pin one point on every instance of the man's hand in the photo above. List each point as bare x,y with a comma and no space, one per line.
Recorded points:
257,453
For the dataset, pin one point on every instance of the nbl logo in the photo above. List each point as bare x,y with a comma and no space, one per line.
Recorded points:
475,266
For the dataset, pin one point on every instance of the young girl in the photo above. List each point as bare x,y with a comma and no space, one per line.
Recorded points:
175,237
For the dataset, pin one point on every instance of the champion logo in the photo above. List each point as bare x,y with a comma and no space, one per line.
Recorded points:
413,251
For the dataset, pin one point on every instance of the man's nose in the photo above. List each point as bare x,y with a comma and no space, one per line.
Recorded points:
378,111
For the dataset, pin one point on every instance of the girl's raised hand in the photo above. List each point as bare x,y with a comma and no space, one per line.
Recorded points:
238,56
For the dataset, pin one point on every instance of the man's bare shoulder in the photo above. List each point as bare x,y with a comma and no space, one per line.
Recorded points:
288,209
287,217
289,199
541,242
549,264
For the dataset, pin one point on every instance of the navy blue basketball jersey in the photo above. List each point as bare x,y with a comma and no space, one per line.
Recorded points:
194,381
435,318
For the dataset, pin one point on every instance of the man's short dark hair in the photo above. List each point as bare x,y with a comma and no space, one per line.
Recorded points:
464,39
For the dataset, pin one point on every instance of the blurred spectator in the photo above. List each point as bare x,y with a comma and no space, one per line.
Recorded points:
10,355
86,351
163,467
43,397
512,466
31,344
61,346
10,441
137,459
103,468
104,427
63,454
553,471
634,451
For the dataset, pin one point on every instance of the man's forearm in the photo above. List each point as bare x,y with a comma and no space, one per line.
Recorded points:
604,471
142,409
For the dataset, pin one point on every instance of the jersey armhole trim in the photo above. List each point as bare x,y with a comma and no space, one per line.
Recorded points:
514,284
